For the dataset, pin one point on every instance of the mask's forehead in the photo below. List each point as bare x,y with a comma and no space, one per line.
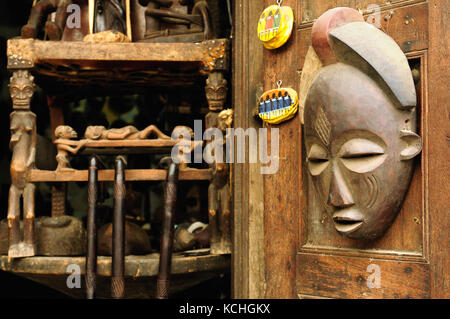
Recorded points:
343,99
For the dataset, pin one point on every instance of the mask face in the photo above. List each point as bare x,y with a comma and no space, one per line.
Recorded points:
358,150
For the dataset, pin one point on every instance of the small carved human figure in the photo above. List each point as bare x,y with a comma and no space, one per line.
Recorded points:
219,196
21,89
39,12
183,133
65,145
198,21
225,120
23,147
360,130
94,16
216,91
125,133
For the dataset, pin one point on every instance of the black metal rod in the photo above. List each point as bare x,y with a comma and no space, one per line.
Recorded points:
118,236
91,250
165,258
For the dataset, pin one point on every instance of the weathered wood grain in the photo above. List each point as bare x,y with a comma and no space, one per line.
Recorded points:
282,191
408,26
345,277
248,74
108,175
205,53
438,145
310,10
135,266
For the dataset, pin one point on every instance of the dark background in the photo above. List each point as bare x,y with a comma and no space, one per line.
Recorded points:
120,110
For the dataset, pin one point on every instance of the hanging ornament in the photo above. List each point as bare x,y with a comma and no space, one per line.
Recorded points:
275,25
278,105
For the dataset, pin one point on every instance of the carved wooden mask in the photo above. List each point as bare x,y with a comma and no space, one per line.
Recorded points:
21,89
360,124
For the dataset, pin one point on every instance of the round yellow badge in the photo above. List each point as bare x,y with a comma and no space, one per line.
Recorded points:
278,105
275,26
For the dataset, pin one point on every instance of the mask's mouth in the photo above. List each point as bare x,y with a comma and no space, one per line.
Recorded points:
21,102
347,220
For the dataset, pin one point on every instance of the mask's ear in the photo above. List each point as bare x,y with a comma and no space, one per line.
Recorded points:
413,144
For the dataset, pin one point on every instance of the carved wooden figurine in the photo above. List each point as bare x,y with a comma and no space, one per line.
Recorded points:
183,132
90,16
123,133
23,147
360,125
39,13
219,197
216,91
162,14
64,145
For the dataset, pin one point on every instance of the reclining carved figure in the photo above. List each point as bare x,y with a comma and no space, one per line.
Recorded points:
125,133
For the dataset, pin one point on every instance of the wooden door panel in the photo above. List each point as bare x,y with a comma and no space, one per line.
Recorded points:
408,26
302,255
407,236
330,265
346,277
310,10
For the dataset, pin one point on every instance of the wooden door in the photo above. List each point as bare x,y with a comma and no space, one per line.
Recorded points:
283,246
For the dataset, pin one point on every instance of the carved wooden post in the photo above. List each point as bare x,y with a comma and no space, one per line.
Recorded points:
118,237
165,258
91,251
23,147
219,196
59,190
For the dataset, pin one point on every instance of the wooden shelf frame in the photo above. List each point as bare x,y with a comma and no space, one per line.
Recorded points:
81,67
107,175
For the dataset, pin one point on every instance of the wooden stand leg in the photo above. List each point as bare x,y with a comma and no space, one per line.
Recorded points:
59,191
118,244
91,251
165,258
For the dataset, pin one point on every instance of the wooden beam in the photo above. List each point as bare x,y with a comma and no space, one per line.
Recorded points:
131,175
210,55
438,138
283,190
135,266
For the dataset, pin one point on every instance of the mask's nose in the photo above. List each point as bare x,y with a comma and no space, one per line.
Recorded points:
339,194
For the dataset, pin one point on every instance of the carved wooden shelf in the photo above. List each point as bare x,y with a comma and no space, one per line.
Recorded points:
140,272
107,175
121,147
59,65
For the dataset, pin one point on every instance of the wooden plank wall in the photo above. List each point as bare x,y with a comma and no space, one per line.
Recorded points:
439,146
248,74
268,219
283,189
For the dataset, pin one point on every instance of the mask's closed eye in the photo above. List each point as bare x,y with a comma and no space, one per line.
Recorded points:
317,159
361,155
